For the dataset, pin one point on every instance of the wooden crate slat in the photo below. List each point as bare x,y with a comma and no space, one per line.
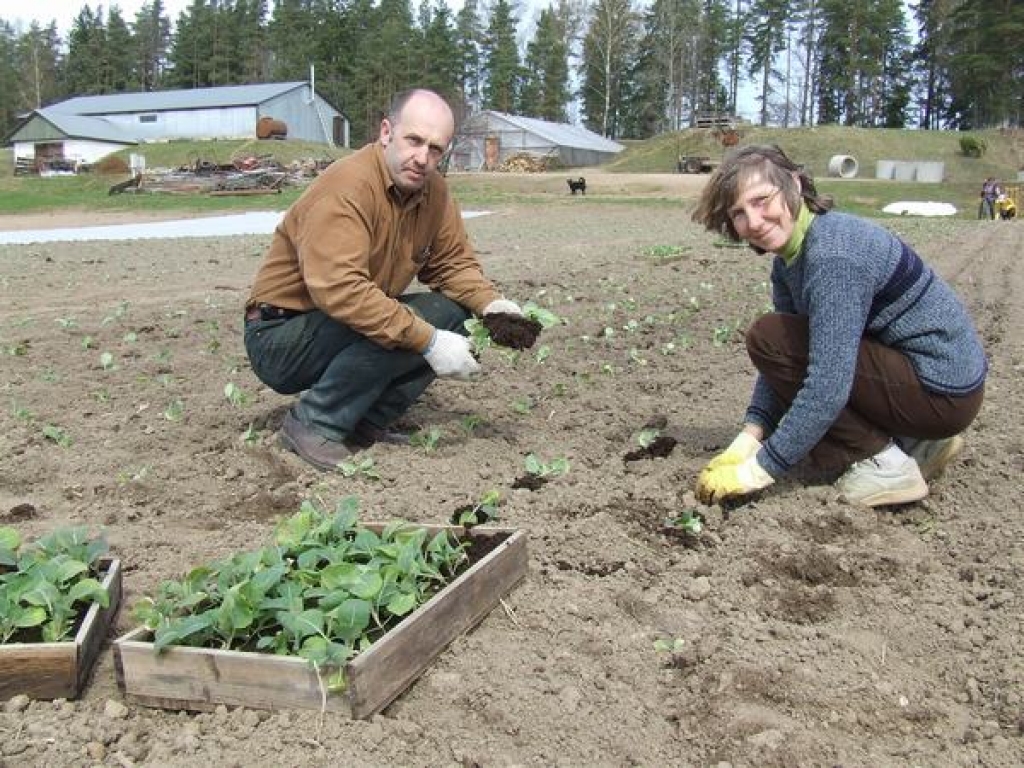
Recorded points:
93,633
202,678
377,676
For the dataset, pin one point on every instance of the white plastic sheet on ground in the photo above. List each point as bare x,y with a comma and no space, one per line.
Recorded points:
918,208
251,223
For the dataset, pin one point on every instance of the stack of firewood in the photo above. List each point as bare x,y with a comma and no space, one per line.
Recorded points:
523,163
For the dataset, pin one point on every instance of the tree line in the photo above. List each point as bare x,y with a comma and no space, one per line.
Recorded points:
623,69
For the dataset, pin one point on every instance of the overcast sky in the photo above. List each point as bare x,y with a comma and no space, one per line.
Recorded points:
65,11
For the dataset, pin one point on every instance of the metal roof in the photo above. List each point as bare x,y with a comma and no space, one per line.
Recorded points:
83,126
164,101
560,134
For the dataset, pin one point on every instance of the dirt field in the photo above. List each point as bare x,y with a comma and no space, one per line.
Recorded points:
810,633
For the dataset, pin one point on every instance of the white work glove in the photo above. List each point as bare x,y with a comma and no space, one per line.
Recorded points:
503,306
449,354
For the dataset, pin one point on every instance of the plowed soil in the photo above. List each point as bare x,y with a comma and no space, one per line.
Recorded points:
805,632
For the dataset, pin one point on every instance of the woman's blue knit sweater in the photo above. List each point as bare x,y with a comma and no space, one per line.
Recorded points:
855,279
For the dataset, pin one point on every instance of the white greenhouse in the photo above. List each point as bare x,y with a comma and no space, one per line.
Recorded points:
489,138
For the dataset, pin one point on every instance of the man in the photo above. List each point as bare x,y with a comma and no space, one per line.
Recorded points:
328,315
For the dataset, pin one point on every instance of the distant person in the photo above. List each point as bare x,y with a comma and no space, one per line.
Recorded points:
868,363
328,315
989,192
1006,209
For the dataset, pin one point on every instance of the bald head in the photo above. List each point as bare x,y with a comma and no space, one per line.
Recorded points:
415,135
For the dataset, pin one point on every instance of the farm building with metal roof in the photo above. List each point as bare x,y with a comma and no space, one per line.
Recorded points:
86,128
489,138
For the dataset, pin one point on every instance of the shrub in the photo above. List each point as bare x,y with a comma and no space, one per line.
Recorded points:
972,146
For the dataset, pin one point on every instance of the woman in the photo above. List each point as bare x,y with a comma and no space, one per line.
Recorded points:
869,362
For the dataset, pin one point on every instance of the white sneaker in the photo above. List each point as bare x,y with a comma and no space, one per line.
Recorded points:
933,456
870,483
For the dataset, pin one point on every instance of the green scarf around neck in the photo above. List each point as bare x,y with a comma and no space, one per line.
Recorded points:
791,249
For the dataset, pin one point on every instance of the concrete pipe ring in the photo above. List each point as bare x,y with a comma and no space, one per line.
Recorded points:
843,166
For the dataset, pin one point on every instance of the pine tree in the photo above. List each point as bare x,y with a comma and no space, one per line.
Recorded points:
250,62
545,93
86,58
501,59
119,55
986,65
766,22
152,35
438,52
469,35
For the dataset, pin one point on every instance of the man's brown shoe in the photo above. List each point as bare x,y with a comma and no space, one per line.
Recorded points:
366,434
311,446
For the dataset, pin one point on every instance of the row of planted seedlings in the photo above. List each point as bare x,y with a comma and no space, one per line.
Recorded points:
331,614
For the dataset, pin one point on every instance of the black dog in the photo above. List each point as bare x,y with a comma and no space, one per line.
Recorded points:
577,185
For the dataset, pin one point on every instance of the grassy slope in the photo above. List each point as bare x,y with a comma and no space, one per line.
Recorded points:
814,147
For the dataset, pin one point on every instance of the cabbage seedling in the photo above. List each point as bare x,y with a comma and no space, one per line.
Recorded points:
427,439
483,511
537,468
687,521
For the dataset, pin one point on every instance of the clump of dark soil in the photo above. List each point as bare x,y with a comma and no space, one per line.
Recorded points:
529,482
659,448
512,331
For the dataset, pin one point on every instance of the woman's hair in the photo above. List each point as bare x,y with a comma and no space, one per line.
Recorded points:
764,161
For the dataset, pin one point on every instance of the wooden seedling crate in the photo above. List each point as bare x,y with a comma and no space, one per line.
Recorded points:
200,679
60,670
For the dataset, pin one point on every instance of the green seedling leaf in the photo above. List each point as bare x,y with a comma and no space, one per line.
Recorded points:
10,539
557,467
365,467
235,395
669,645
479,336
688,521
251,435
427,439
647,436
91,591
107,361
174,410
545,317
664,253
57,435
402,604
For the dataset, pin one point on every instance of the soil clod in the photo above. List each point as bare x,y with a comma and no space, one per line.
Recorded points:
512,331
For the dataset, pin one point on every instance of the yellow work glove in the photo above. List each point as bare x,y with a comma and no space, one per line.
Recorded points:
740,449
728,481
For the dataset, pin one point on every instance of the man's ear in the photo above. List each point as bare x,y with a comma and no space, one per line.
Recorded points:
385,132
